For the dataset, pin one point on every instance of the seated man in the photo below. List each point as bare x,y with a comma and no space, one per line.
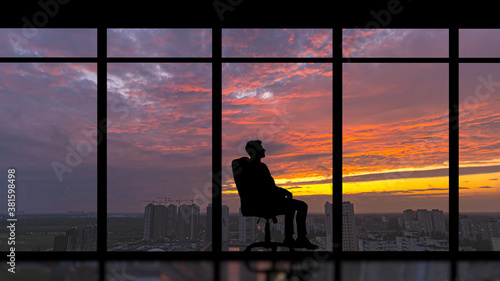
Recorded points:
273,199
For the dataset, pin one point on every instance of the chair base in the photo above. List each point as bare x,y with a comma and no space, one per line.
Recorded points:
268,245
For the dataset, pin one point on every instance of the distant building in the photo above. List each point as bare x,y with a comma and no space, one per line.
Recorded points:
349,237
329,227
495,241
248,229
424,221
171,225
188,217
465,228
225,223
155,222
77,240
493,228
208,233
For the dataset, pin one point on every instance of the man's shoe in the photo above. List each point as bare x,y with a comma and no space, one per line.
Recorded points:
289,242
303,242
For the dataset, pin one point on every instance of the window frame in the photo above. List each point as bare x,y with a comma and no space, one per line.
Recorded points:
216,255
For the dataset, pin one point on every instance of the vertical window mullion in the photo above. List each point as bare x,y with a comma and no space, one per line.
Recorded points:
102,149
216,140
337,139
454,149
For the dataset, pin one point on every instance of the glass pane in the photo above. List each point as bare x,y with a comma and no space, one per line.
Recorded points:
48,136
160,270
47,42
276,43
478,270
289,108
479,43
395,155
395,271
391,43
159,42
52,271
308,269
479,161
159,156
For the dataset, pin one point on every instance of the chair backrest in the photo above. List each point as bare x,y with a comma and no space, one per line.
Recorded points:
242,179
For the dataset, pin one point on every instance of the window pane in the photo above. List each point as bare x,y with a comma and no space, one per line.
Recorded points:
478,270
49,271
395,155
47,42
276,43
159,42
479,43
307,269
159,156
479,161
48,135
395,43
289,108
396,270
160,270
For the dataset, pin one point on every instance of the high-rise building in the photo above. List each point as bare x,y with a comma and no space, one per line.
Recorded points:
424,221
77,240
349,237
465,227
171,225
208,233
225,223
188,222
329,227
155,222
438,221
493,227
248,229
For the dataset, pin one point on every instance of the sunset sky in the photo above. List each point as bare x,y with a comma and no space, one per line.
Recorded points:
289,108
395,138
47,42
49,111
277,43
159,135
159,42
395,117
479,137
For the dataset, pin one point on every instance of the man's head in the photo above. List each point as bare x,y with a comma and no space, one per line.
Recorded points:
255,150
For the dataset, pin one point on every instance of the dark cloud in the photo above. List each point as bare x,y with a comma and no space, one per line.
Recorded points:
49,111
276,42
159,42
46,42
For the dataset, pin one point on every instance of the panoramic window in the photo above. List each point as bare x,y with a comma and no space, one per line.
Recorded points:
395,148
49,141
288,108
159,133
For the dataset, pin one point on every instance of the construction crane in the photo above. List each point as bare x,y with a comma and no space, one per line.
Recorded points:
151,201
165,199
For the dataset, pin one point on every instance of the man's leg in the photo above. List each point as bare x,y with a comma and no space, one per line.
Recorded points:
301,208
289,207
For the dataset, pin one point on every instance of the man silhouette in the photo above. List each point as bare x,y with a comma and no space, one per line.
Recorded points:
275,199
